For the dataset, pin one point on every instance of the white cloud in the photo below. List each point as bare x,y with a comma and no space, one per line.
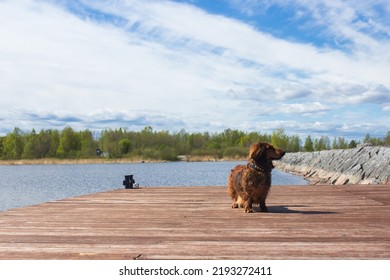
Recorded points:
351,94
173,22
170,64
303,108
59,58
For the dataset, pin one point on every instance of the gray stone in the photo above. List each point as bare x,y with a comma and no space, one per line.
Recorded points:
364,164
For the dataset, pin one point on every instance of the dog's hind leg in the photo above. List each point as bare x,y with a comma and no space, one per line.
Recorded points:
234,197
263,207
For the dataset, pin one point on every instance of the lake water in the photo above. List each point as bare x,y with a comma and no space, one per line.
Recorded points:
22,185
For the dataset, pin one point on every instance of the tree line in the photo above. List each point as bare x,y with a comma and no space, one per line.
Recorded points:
158,145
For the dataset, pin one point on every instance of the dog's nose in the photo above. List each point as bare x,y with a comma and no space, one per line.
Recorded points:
282,153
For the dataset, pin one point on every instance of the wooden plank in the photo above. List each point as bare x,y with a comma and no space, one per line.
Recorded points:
303,222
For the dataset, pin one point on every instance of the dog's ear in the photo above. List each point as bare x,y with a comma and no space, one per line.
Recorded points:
257,150
252,151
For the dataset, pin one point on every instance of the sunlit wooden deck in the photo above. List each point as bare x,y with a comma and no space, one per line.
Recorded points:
304,222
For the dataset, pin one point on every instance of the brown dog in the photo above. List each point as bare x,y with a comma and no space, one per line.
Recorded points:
248,184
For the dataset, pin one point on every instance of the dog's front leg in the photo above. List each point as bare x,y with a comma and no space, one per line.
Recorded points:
248,206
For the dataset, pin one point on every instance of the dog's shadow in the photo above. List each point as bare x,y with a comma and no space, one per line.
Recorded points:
285,210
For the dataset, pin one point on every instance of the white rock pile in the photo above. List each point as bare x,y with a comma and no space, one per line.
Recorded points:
362,165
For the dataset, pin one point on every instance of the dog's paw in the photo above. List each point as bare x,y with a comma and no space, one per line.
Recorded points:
263,207
234,205
248,210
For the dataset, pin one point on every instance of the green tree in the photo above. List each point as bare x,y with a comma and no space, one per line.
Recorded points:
2,146
322,144
109,142
164,145
197,140
279,139
294,144
125,146
386,141
31,146
167,153
352,144
70,143
13,144
182,146
367,138
88,145
376,141
339,143
231,137
146,137
309,145
52,138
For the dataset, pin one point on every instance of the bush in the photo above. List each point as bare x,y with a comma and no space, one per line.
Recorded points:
235,152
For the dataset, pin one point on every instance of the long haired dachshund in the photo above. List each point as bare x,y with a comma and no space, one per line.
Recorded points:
250,183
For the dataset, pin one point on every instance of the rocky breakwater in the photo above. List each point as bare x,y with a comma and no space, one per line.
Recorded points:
362,165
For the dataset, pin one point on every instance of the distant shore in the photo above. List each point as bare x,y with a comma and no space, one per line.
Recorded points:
108,160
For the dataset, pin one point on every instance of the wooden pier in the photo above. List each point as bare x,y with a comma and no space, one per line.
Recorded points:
303,222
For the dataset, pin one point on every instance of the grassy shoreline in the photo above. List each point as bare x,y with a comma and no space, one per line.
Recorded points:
106,160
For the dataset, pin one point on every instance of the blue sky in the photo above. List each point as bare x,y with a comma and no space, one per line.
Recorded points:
310,67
